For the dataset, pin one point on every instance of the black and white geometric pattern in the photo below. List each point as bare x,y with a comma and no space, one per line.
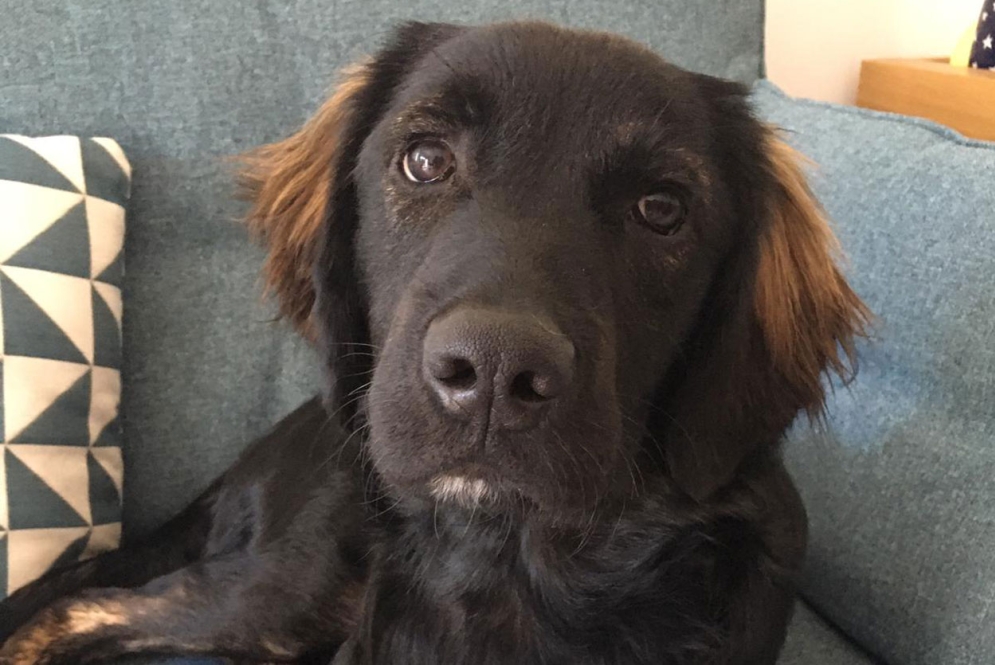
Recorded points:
62,205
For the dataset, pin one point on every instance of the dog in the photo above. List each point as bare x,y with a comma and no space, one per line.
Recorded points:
569,298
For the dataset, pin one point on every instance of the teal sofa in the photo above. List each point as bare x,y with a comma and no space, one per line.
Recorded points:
898,481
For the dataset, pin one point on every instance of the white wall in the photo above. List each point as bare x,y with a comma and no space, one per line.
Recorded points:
814,47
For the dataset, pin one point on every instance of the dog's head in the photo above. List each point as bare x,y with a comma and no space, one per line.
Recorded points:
543,264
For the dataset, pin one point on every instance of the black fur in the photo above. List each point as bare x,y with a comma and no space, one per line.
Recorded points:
646,519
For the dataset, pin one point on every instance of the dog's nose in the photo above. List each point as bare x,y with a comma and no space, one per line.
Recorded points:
512,365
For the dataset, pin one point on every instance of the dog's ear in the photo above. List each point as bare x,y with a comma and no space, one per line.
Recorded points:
303,206
779,316
288,184
809,315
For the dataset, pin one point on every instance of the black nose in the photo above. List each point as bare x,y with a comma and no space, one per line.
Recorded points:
506,365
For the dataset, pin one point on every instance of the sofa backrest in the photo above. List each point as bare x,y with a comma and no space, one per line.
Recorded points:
184,84
899,483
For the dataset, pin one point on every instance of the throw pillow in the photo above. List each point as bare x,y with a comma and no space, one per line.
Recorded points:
62,202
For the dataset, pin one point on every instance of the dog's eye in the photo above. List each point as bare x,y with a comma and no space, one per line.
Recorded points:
662,212
428,161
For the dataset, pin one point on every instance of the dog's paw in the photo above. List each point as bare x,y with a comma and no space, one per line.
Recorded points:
54,634
28,645
33,643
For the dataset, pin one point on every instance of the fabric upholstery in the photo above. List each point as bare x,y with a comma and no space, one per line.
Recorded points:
62,215
185,84
899,485
812,641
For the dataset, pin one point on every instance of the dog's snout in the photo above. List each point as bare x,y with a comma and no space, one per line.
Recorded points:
504,365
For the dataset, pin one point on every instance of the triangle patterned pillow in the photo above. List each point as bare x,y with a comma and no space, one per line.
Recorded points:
62,207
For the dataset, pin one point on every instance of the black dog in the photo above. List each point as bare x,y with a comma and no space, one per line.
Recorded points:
570,297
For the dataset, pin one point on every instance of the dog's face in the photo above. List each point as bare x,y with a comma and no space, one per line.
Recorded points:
544,264
536,234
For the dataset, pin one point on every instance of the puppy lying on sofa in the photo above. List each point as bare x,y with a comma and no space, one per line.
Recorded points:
569,298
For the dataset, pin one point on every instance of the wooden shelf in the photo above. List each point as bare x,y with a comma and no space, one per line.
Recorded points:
960,97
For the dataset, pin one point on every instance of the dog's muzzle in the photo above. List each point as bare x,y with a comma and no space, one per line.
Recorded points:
501,368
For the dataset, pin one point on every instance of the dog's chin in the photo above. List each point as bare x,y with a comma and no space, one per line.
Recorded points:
462,490
500,496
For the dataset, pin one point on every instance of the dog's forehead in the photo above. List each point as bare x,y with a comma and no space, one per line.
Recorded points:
541,76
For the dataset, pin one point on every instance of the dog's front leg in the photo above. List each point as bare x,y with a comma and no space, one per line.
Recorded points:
217,607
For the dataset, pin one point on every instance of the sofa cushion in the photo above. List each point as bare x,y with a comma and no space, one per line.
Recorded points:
899,484
183,84
813,641
61,238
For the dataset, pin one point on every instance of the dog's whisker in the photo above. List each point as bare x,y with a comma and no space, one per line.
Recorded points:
627,456
573,459
435,520
352,398
389,509
618,522
469,522
352,344
337,455
587,531
359,354
670,417
633,470
597,463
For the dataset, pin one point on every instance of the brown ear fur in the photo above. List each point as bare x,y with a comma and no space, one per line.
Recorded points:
808,313
289,184
792,318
